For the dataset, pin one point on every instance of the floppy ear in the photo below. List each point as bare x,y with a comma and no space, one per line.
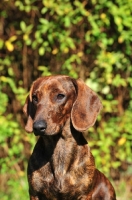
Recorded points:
85,108
29,110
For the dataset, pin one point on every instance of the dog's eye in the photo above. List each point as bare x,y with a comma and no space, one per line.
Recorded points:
35,99
60,96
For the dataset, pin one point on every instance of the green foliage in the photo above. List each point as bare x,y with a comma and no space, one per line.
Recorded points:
17,188
87,39
12,143
109,152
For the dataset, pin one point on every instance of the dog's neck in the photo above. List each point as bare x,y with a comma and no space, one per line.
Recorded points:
68,133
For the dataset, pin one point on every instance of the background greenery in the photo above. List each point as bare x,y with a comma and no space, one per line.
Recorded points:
88,39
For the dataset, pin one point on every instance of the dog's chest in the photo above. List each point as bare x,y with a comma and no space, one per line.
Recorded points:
66,172
60,184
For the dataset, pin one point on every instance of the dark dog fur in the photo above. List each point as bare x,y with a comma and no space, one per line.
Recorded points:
61,166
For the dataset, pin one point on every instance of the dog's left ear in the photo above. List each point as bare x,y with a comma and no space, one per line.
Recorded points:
85,108
29,110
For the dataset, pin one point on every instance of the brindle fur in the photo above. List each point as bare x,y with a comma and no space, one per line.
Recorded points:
61,166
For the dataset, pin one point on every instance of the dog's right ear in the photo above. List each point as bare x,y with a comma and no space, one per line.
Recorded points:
29,110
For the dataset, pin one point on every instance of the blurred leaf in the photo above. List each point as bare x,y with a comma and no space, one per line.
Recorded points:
23,26
9,45
41,51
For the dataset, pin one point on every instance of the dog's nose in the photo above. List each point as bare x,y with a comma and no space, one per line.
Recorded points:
39,127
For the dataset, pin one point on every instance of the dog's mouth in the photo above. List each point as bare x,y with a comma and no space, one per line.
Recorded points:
39,133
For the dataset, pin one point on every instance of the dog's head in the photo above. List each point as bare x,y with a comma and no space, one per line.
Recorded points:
54,99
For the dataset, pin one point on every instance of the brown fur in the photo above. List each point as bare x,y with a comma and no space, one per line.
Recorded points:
61,166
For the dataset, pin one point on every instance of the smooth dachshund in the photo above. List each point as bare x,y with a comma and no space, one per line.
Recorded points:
61,167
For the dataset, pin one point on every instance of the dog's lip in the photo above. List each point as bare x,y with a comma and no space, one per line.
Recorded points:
39,133
45,133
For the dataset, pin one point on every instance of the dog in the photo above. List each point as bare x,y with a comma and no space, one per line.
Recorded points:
61,167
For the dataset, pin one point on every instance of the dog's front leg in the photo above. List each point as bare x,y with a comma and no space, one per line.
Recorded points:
37,198
34,197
